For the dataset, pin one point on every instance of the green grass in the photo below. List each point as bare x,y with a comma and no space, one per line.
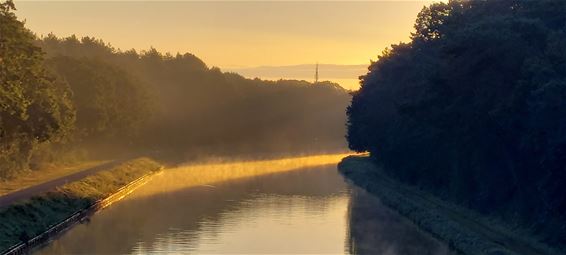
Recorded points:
35,215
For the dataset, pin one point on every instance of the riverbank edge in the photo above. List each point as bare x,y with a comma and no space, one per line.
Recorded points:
82,215
425,210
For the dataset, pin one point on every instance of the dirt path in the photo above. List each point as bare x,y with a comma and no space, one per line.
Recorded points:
28,192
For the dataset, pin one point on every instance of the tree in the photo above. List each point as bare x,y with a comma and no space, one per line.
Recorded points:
110,103
473,108
34,107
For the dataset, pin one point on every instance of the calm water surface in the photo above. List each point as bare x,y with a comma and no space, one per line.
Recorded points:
312,210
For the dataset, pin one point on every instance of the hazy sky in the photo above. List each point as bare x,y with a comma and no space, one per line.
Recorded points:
233,34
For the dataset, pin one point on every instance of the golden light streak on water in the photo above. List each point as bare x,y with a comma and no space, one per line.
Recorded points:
310,209
208,173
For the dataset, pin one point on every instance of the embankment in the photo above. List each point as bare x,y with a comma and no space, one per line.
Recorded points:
33,221
465,231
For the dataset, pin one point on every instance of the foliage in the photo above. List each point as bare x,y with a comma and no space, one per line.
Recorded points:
110,103
474,109
34,107
95,97
201,110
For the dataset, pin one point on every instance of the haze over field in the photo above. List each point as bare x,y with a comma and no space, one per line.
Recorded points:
237,35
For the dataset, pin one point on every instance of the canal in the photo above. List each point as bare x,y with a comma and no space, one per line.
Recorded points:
292,207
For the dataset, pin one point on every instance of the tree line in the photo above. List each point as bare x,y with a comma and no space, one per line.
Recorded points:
61,96
473,108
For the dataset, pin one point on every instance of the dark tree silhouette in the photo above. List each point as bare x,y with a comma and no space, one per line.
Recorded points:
474,109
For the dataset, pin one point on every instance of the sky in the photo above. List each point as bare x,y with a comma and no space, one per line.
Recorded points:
237,35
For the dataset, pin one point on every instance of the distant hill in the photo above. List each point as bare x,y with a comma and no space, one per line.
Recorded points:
345,75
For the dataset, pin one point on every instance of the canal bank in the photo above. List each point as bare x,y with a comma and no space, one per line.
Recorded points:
463,230
34,221
306,210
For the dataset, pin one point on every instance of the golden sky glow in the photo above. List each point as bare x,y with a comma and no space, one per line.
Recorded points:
235,34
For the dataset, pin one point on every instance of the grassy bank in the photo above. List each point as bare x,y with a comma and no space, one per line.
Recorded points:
31,178
28,218
465,231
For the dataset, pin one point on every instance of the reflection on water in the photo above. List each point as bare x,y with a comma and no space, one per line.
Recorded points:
307,211
376,229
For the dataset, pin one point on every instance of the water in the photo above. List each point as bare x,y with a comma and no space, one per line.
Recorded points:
309,210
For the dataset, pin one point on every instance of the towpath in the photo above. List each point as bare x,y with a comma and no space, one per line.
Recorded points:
30,191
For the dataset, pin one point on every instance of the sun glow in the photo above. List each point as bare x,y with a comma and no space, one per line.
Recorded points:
206,174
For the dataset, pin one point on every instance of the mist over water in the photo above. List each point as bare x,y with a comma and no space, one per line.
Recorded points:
299,205
218,170
462,100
